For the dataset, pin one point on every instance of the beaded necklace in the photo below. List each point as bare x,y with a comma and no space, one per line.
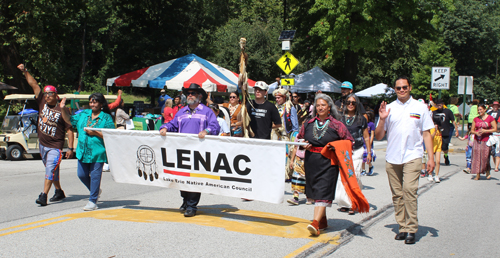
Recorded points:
349,120
320,128
89,121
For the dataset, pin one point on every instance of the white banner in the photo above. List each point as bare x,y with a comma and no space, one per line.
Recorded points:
231,166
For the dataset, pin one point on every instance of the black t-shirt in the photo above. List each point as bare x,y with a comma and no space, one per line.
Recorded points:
446,118
262,117
356,129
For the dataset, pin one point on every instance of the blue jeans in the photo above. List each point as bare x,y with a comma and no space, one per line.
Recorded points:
90,175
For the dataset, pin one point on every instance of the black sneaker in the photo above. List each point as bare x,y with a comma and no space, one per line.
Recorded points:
58,195
446,161
42,199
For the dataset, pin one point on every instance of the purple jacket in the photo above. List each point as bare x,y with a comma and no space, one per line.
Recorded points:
201,119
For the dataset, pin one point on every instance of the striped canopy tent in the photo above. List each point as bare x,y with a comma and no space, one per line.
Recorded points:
181,72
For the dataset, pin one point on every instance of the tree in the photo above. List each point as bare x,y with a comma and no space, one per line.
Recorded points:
342,29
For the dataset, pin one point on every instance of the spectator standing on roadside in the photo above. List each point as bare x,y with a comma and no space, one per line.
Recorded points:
371,134
51,135
448,126
473,112
185,121
407,123
168,111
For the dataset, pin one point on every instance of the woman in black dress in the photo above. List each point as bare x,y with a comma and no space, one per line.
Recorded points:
321,180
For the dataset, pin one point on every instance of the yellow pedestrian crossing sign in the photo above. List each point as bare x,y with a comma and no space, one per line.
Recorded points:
288,82
287,62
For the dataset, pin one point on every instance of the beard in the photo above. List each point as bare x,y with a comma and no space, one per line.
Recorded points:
193,101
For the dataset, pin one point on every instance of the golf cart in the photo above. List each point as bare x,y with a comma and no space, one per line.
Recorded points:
19,131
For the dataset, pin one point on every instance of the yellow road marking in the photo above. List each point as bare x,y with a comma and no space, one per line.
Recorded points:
244,221
39,226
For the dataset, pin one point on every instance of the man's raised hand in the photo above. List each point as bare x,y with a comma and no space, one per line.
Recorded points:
383,112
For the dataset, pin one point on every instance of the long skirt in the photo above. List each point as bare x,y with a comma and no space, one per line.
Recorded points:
480,158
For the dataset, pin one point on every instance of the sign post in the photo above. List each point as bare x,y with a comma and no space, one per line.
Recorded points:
465,86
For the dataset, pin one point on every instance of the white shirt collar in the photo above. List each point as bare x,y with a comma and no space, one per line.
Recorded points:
406,103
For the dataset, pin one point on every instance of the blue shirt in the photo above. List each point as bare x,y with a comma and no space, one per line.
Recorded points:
200,119
90,149
162,99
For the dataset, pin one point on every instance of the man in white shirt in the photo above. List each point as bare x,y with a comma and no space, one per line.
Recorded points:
407,123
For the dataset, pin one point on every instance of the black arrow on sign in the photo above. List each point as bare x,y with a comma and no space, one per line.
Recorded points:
287,81
440,77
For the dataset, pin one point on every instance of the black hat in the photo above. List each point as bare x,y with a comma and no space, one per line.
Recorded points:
197,88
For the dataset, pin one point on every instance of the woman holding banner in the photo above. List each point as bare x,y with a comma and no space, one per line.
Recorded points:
90,151
324,127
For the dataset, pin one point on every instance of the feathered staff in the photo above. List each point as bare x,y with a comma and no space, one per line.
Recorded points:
243,86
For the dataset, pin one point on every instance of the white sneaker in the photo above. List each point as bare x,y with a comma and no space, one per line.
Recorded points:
436,179
430,178
90,206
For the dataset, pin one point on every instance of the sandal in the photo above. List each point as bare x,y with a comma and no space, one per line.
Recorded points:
343,209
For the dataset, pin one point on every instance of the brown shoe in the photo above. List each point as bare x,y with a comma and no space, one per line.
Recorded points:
323,223
313,228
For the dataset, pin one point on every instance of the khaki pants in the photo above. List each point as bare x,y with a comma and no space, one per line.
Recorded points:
403,180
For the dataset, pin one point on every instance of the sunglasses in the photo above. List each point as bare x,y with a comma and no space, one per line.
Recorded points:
50,93
295,96
93,101
232,97
351,103
194,93
404,88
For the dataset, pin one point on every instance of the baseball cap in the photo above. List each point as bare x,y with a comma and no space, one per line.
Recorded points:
346,85
496,103
261,85
162,91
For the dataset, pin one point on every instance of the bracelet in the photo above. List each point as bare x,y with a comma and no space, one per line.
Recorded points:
71,149
207,130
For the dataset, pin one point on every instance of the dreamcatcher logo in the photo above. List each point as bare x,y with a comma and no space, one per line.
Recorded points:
146,163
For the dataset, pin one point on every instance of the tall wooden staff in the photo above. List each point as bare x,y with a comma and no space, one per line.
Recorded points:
243,85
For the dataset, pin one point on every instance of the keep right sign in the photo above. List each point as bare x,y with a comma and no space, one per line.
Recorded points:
440,78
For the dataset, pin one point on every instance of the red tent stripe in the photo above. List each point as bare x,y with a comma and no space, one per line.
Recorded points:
200,77
125,80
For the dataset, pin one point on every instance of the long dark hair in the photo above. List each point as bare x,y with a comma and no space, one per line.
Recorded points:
101,99
358,113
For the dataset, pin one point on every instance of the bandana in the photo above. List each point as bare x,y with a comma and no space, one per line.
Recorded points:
50,88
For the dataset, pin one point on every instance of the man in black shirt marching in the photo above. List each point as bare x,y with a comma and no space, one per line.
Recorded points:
264,116
447,119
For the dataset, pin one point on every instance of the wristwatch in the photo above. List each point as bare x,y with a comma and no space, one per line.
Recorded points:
71,149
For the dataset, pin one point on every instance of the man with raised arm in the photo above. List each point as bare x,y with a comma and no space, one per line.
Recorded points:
407,123
52,130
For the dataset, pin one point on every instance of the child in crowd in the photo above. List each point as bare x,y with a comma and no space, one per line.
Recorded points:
299,176
371,133
436,142
468,149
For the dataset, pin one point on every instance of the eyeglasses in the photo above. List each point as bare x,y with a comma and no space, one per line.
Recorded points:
232,97
351,103
404,88
194,93
50,93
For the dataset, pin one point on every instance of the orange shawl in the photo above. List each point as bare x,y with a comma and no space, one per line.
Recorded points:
342,156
